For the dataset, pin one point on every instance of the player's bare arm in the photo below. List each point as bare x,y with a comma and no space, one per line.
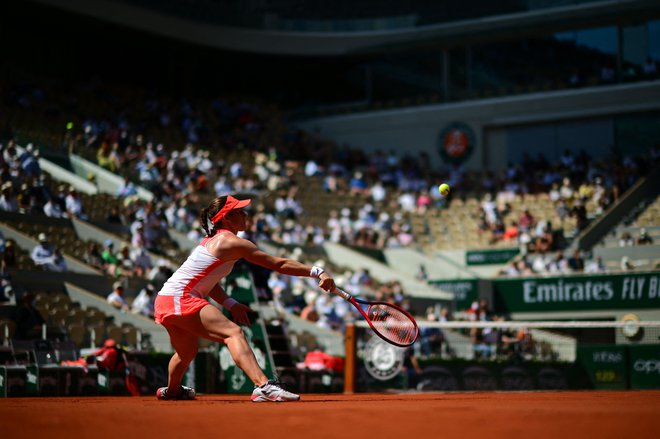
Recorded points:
230,247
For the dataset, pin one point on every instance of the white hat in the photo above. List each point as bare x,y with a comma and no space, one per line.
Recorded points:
42,237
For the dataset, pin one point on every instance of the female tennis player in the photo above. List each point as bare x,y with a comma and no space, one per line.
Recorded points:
181,306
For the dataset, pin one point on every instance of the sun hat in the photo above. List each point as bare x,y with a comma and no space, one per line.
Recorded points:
231,204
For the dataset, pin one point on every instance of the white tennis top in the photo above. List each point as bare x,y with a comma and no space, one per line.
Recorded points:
198,274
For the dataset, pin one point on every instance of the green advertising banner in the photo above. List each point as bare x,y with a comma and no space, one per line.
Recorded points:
487,257
3,382
578,293
465,290
606,366
644,367
12,381
239,286
32,380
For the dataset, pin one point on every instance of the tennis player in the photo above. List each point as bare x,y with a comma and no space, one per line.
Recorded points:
182,307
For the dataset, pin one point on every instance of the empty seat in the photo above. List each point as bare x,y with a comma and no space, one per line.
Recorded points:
114,332
97,334
58,316
95,317
77,334
130,336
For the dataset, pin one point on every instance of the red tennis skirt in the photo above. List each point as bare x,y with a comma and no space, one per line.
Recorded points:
166,306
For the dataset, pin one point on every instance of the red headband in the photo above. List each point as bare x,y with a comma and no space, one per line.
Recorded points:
231,204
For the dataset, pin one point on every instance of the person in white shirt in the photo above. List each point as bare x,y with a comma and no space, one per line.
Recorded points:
8,202
116,298
73,204
144,302
44,253
52,209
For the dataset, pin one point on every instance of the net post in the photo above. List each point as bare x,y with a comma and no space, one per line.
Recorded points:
349,364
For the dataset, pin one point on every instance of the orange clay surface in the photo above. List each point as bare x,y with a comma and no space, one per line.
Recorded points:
535,415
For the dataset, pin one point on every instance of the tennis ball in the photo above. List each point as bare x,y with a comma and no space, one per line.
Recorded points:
444,189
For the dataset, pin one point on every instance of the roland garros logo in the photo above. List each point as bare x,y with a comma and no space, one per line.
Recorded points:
383,361
456,142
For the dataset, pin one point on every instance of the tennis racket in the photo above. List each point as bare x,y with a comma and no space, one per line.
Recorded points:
390,322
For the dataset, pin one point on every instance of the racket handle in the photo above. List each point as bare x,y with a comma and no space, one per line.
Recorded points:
341,293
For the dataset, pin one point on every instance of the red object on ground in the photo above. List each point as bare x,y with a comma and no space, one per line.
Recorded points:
319,360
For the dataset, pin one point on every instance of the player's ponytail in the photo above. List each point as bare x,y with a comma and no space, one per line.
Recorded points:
208,212
206,223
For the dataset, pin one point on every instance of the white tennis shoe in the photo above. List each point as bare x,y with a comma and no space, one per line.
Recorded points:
272,392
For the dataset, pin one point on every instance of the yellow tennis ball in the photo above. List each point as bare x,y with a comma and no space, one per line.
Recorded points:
444,189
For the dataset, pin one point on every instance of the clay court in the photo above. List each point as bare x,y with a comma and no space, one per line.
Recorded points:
603,414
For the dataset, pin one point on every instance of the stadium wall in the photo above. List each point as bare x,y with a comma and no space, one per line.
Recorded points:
418,129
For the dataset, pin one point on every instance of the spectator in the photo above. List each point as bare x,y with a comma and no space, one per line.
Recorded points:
576,262
309,312
116,297
626,240
144,301
559,264
626,265
110,356
141,260
43,254
566,189
431,338
114,216
644,238
52,209
59,263
127,189
160,274
29,320
411,367
7,293
9,259
126,264
109,258
107,158
526,221
93,256
30,161
579,212
595,266
73,204
8,201
358,185
511,232
421,273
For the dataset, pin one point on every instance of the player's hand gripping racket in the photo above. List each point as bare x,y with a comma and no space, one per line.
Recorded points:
390,322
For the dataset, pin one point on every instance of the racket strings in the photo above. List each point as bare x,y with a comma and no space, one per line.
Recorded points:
392,323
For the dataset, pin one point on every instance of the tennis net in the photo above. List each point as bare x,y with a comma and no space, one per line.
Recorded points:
528,340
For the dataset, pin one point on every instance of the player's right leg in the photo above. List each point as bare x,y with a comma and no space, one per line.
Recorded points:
185,345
